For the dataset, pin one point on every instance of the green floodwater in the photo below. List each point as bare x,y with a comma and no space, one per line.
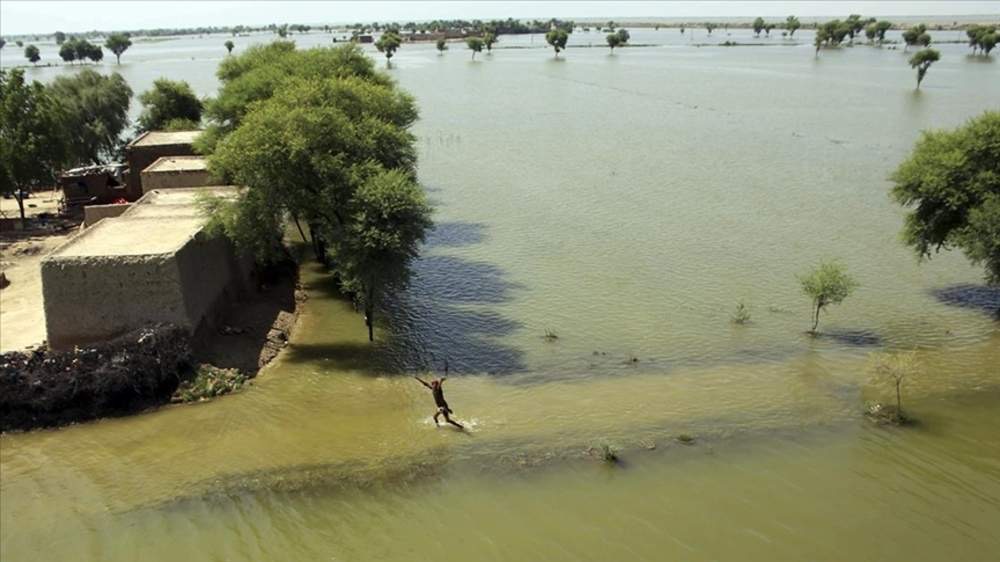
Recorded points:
625,203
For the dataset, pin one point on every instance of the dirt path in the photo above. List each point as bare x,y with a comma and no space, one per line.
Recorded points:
22,318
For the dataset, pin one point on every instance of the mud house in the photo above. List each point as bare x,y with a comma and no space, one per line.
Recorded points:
93,185
151,146
154,263
171,172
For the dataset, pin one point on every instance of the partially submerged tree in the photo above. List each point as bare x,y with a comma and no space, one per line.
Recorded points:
982,38
792,23
166,101
828,283
59,37
952,182
709,26
489,38
67,53
894,368
388,43
441,45
758,26
881,27
229,47
118,43
31,53
922,61
915,36
475,45
94,112
613,41
31,137
557,38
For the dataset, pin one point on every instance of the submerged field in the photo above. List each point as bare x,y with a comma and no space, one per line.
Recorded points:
625,203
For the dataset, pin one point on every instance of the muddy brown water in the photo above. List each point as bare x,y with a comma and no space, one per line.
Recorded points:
625,203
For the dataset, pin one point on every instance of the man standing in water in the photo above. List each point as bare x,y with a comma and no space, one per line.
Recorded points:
442,405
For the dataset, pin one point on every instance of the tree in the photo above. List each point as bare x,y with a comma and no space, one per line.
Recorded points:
31,139
229,47
881,28
758,26
118,43
335,151
19,43
913,35
952,182
389,221
31,53
67,52
441,45
60,37
613,41
923,61
167,101
489,38
94,52
828,283
557,38
94,114
475,44
282,31
894,368
792,23
870,31
982,37
388,43
261,70
854,25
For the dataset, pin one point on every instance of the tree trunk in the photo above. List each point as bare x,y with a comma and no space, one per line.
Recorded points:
899,402
301,233
118,58
19,196
815,318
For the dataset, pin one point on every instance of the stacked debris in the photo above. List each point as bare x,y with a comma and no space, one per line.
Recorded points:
141,369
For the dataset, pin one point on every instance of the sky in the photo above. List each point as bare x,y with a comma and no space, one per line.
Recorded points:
40,16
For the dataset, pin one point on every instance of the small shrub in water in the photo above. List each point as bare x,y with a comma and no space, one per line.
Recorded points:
685,439
606,453
742,314
550,336
209,381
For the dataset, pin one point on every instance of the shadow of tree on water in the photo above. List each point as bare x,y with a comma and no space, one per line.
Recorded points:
982,298
856,338
447,313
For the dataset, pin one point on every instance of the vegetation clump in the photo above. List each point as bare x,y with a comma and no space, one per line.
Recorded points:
168,101
742,314
828,283
208,382
685,439
605,453
388,43
557,38
923,61
475,44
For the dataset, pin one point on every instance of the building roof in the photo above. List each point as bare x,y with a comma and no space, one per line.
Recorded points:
161,222
165,138
177,164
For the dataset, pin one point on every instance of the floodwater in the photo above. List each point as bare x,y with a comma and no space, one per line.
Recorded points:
624,203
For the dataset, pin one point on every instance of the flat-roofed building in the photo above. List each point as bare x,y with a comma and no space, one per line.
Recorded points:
149,147
171,172
154,263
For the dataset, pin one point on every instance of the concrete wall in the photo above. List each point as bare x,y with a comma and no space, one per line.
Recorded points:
94,213
174,179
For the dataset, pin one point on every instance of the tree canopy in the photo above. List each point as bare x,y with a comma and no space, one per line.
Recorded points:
827,283
95,112
792,24
557,38
330,146
118,43
922,61
388,43
475,45
982,38
952,183
167,101
917,35
441,45
32,146
31,53
229,46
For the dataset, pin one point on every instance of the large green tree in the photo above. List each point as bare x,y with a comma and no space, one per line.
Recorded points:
95,112
952,183
32,145
118,43
334,151
167,101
